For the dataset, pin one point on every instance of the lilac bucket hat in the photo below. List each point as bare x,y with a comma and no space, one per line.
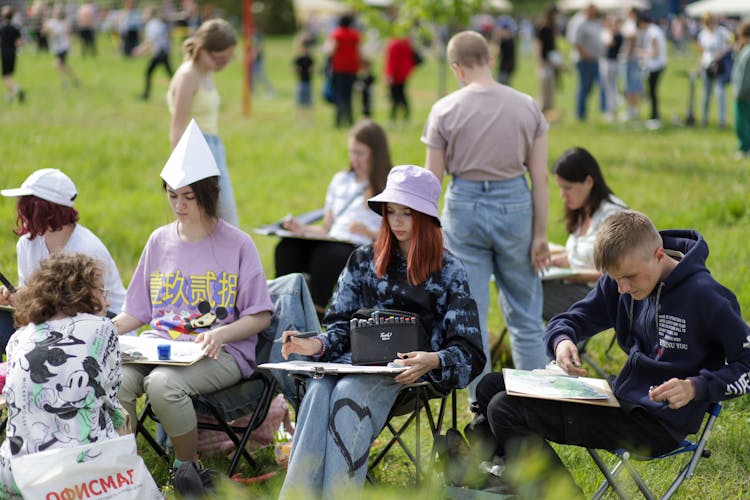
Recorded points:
411,186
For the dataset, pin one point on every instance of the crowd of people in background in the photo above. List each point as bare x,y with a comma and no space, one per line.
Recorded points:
621,54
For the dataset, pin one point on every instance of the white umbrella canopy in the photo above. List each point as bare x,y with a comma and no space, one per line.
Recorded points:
304,8
604,5
500,5
719,7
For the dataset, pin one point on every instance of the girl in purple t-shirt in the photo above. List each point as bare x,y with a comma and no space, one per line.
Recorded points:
199,279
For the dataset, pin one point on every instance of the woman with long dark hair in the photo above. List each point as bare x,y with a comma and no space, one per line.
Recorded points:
405,269
199,279
588,201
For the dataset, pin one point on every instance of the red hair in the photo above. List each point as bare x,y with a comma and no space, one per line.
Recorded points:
37,216
425,251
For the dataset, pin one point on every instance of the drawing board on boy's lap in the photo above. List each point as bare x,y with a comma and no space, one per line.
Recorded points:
543,384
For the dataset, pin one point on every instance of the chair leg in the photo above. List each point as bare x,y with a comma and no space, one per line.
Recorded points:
240,451
140,427
255,421
637,477
610,476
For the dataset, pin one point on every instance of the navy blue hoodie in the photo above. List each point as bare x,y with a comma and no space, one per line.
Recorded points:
690,326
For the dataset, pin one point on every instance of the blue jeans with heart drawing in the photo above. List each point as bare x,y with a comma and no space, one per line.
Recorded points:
337,422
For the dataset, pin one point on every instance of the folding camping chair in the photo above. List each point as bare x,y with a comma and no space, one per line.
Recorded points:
559,295
410,402
254,395
6,330
696,451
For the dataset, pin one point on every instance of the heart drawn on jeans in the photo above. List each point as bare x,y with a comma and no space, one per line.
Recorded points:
362,413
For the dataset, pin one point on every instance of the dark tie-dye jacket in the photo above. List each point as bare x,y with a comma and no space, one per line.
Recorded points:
443,302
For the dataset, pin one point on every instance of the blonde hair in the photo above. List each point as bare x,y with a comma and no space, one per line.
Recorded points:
623,234
469,49
64,283
213,35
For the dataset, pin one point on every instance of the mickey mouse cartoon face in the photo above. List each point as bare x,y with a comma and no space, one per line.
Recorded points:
207,317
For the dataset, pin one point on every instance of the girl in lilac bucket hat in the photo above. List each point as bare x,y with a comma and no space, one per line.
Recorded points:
413,187
406,269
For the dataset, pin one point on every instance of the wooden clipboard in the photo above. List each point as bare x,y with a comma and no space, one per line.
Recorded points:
541,384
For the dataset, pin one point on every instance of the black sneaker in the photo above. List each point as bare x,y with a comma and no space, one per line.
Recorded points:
21,95
191,480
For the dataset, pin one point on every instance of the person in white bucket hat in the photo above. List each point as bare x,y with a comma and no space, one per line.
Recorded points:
48,223
199,279
406,269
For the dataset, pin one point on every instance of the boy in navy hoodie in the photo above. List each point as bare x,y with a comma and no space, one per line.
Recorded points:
686,341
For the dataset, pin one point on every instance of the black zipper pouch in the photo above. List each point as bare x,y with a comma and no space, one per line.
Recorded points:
378,335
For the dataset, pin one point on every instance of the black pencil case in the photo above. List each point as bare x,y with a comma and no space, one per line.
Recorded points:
378,335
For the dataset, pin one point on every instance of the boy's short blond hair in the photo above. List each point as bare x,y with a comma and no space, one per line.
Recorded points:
469,49
623,234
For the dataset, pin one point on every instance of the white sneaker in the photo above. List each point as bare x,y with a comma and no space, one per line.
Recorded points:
653,124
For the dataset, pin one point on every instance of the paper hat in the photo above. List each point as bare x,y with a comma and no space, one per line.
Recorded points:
191,159
48,184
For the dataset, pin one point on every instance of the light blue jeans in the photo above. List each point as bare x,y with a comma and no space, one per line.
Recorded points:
294,310
336,425
709,84
227,206
488,226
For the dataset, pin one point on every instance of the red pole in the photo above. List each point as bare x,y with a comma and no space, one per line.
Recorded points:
247,36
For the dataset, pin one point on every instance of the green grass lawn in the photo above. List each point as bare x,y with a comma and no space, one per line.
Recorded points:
114,146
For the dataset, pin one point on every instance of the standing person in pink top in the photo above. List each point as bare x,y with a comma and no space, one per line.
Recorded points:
399,63
199,279
343,47
488,136
193,94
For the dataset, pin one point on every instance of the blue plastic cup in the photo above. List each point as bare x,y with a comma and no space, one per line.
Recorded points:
165,351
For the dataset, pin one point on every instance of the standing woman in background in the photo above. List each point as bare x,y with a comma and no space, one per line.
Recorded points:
548,60
57,30
714,44
193,94
741,84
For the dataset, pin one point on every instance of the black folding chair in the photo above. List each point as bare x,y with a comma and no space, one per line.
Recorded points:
559,295
410,402
695,450
254,395
6,330
6,326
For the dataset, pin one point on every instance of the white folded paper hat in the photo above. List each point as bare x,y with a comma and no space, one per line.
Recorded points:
191,160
